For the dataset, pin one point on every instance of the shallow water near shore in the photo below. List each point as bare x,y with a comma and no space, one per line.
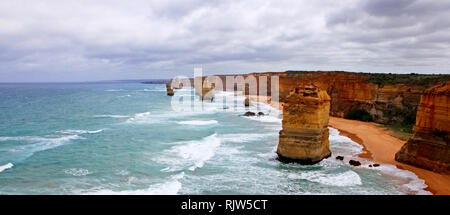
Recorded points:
124,138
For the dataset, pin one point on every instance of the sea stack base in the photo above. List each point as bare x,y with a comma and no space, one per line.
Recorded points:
305,148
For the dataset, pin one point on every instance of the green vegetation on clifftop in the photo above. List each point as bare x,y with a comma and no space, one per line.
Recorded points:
410,79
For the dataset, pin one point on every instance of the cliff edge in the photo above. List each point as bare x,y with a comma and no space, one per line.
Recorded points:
429,148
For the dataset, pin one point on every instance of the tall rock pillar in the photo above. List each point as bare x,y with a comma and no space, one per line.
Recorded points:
169,89
204,89
429,148
304,136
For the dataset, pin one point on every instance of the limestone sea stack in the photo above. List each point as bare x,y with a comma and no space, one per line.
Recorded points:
169,89
304,134
429,148
247,101
204,89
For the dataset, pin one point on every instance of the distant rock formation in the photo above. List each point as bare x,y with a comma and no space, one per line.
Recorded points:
204,89
388,98
247,101
429,148
304,137
169,90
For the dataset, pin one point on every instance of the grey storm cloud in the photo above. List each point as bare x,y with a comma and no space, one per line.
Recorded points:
61,40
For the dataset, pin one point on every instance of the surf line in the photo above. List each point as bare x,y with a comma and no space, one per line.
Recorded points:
192,205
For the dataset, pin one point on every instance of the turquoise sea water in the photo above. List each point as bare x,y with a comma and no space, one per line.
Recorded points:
125,138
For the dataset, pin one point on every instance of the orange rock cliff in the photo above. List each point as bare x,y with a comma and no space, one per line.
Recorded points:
304,137
429,148
387,98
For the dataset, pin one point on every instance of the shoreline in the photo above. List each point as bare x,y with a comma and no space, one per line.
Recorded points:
379,146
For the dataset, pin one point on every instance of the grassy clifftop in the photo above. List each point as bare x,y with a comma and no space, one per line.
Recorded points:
384,78
409,79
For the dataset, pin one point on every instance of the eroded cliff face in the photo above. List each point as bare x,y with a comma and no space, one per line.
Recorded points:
304,137
429,148
388,101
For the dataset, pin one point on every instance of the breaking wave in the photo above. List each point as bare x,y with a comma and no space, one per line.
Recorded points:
171,187
198,122
111,116
77,132
33,144
348,178
140,118
190,155
6,166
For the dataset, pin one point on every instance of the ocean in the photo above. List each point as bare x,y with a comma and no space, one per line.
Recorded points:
125,138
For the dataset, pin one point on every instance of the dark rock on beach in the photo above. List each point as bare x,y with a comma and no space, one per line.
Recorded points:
340,158
249,113
354,163
260,114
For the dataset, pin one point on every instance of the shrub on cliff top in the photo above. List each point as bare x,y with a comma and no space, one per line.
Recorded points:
410,79
359,114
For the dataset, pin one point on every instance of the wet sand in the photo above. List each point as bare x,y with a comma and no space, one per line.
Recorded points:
380,146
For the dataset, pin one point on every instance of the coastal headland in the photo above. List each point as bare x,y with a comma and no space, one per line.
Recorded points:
381,99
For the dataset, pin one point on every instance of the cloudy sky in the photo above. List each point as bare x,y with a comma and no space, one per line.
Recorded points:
85,40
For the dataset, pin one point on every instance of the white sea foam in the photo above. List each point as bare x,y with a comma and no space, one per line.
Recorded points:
190,155
128,95
122,172
31,139
111,116
36,144
149,90
77,132
77,172
408,181
348,178
148,118
6,166
269,119
171,187
144,117
198,122
343,145
245,137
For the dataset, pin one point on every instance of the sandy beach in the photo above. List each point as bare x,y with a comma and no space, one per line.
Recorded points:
381,146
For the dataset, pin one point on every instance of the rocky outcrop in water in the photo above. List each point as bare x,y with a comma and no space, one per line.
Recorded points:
204,89
304,137
247,101
169,89
429,148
